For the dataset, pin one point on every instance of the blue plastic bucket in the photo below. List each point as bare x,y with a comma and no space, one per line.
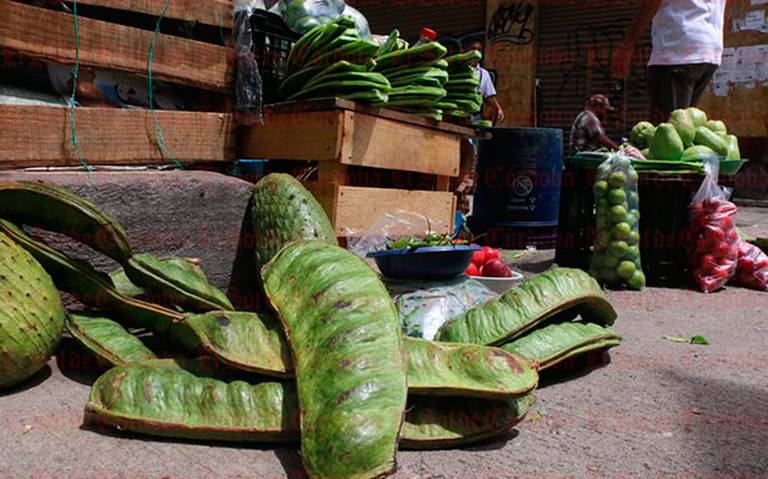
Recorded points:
520,172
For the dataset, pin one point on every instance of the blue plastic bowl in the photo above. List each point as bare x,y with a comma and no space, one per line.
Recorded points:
433,263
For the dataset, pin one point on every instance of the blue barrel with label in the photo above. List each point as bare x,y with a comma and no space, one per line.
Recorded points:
519,175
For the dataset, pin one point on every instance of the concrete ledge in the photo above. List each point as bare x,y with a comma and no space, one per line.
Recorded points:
193,214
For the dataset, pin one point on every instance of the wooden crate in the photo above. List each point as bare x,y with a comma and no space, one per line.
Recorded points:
48,35
340,134
42,136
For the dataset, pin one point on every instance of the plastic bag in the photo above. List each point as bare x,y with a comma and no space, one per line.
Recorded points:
390,227
616,253
425,306
711,237
752,267
360,21
249,88
303,15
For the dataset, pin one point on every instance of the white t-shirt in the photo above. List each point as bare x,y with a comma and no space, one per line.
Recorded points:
487,89
688,31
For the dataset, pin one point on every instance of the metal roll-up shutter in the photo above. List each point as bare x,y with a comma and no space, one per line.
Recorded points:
450,18
575,43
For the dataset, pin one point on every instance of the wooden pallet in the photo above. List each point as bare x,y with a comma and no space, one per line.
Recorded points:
48,35
42,136
340,134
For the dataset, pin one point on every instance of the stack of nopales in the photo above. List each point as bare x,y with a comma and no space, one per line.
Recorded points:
463,85
333,61
417,75
328,366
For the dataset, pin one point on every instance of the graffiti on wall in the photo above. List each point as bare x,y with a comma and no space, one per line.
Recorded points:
511,23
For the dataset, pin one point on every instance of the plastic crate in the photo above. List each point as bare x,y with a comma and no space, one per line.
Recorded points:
272,43
664,201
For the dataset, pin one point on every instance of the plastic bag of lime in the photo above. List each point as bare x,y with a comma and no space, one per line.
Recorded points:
616,253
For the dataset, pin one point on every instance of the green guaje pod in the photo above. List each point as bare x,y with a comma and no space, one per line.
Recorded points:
95,290
441,423
56,209
246,341
449,369
525,307
555,343
284,211
124,285
106,339
348,352
31,314
192,400
176,282
187,400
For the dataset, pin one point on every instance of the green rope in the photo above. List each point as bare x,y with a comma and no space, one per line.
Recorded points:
158,130
73,97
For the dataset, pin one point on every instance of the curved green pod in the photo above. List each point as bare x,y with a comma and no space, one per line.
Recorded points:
124,285
246,341
106,339
443,369
176,281
192,400
521,309
441,423
95,290
198,400
56,209
284,211
557,342
31,314
345,339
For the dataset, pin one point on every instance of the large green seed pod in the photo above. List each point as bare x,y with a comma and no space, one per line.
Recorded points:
284,211
199,400
31,314
557,342
442,369
568,291
56,209
345,338
106,339
176,282
441,423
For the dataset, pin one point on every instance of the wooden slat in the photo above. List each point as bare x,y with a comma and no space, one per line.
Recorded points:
383,143
356,209
303,136
209,12
322,104
41,136
48,35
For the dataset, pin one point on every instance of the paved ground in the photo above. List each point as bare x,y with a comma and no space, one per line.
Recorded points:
658,409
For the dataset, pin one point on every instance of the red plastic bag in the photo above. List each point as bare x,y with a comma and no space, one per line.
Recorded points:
712,240
752,268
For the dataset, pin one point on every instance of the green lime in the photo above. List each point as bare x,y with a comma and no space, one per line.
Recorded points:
632,176
637,281
601,188
633,253
634,238
618,213
631,219
617,180
603,170
633,199
618,248
622,231
617,197
603,238
611,262
626,269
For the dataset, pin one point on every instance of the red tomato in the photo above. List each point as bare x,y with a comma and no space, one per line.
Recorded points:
746,264
722,250
478,258
708,261
722,273
491,254
472,270
727,223
702,245
713,233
